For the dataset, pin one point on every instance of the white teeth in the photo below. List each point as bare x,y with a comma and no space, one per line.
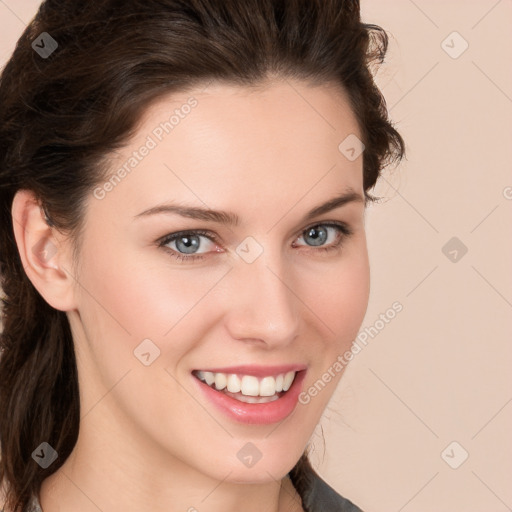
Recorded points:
209,378
288,379
234,384
279,383
254,399
248,385
220,381
268,386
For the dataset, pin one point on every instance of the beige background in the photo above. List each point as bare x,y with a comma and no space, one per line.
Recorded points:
438,372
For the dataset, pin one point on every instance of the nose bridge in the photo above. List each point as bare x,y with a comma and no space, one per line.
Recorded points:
263,306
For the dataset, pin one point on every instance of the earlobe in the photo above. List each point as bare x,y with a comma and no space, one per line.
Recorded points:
42,251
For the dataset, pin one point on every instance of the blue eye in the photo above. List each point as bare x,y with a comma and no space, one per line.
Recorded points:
187,243
319,234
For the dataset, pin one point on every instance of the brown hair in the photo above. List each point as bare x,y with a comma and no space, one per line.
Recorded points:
63,113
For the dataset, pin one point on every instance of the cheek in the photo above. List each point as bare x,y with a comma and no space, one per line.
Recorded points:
351,289
137,295
341,304
338,294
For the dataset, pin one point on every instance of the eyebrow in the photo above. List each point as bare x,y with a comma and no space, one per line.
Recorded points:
232,219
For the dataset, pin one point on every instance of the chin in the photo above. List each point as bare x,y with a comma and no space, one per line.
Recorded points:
261,471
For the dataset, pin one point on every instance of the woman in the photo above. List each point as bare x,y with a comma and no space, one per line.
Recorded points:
183,254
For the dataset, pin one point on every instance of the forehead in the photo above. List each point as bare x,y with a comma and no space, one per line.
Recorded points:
282,107
224,141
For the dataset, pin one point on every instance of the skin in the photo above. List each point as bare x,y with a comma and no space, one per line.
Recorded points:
148,440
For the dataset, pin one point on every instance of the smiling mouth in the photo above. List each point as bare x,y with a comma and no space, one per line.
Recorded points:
248,388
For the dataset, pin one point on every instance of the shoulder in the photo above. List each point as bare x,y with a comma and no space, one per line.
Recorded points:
321,497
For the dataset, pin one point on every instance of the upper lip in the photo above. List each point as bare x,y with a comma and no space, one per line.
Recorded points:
256,370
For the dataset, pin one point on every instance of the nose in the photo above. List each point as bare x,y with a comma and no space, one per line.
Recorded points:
262,306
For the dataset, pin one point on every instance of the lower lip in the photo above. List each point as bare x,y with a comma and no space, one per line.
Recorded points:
270,412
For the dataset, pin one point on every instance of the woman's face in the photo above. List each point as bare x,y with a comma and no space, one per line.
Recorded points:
269,287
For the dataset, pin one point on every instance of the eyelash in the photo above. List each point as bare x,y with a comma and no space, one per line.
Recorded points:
343,229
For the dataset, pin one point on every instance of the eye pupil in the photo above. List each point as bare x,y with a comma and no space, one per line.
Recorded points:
187,244
318,235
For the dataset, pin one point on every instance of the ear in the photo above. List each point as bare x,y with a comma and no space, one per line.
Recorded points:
44,252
